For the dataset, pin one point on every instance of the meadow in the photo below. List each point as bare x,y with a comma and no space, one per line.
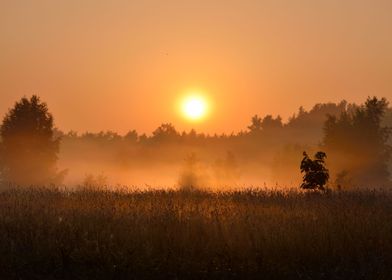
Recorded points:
249,234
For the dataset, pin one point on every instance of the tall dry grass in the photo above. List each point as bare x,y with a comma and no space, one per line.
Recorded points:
254,234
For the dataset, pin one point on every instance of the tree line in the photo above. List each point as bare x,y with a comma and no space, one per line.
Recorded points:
355,137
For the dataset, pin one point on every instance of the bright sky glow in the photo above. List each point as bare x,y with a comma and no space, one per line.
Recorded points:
194,107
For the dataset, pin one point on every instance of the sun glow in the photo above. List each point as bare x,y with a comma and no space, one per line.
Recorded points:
194,107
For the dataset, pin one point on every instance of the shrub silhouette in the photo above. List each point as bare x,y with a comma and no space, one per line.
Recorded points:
190,176
316,174
28,146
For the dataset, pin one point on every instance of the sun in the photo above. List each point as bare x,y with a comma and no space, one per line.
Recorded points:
194,107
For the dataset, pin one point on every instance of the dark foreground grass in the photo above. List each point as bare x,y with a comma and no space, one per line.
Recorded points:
177,235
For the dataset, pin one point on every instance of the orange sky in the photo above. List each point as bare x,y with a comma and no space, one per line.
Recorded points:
124,64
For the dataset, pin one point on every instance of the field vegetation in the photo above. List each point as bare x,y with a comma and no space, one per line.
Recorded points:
249,234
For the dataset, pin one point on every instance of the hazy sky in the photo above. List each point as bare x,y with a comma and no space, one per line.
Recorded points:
123,65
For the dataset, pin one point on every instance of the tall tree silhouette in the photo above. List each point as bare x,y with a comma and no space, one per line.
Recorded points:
358,143
29,147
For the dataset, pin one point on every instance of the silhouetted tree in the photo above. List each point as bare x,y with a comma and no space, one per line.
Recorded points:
306,127
256,124
271,124
165,132
191,137
267,129
29,147
131,136
143,138
316,175
359,143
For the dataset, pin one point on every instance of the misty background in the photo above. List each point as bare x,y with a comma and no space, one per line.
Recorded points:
267,153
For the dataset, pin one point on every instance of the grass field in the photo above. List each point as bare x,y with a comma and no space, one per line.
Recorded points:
49,234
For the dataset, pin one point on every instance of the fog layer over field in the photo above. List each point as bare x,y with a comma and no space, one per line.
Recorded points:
267,153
